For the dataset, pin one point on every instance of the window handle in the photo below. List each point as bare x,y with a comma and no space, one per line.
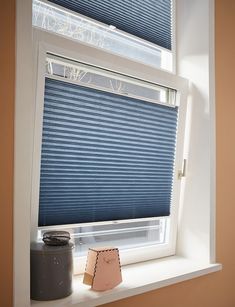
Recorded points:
182,173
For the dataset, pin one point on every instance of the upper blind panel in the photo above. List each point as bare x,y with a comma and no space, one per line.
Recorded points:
104,156
150,20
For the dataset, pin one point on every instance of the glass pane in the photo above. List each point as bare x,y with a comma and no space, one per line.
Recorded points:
124,235
94,77
79,28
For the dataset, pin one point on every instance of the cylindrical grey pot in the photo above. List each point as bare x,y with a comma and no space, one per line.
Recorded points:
51,271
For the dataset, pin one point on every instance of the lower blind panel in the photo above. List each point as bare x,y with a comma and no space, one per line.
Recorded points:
104,156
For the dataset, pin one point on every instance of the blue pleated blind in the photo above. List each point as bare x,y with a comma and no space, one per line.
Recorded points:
147,19
104,156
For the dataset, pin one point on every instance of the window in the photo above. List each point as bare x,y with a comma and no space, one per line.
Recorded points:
105,156
195,231
108,147
60,21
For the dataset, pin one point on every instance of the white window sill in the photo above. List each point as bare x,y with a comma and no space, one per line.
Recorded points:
137,279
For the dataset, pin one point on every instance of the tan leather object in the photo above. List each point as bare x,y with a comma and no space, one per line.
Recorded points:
103,270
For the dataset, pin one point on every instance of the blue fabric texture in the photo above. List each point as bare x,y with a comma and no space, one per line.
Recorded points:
147,19
104,156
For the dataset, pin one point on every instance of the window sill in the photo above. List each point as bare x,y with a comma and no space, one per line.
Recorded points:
137,278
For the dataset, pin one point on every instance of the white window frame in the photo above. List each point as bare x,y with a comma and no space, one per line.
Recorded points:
45,42
195,246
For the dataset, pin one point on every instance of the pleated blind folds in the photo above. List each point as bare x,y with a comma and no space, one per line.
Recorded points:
147,19
104,156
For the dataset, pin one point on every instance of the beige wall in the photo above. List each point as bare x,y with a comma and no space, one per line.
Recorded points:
7,69
214,290
217,289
